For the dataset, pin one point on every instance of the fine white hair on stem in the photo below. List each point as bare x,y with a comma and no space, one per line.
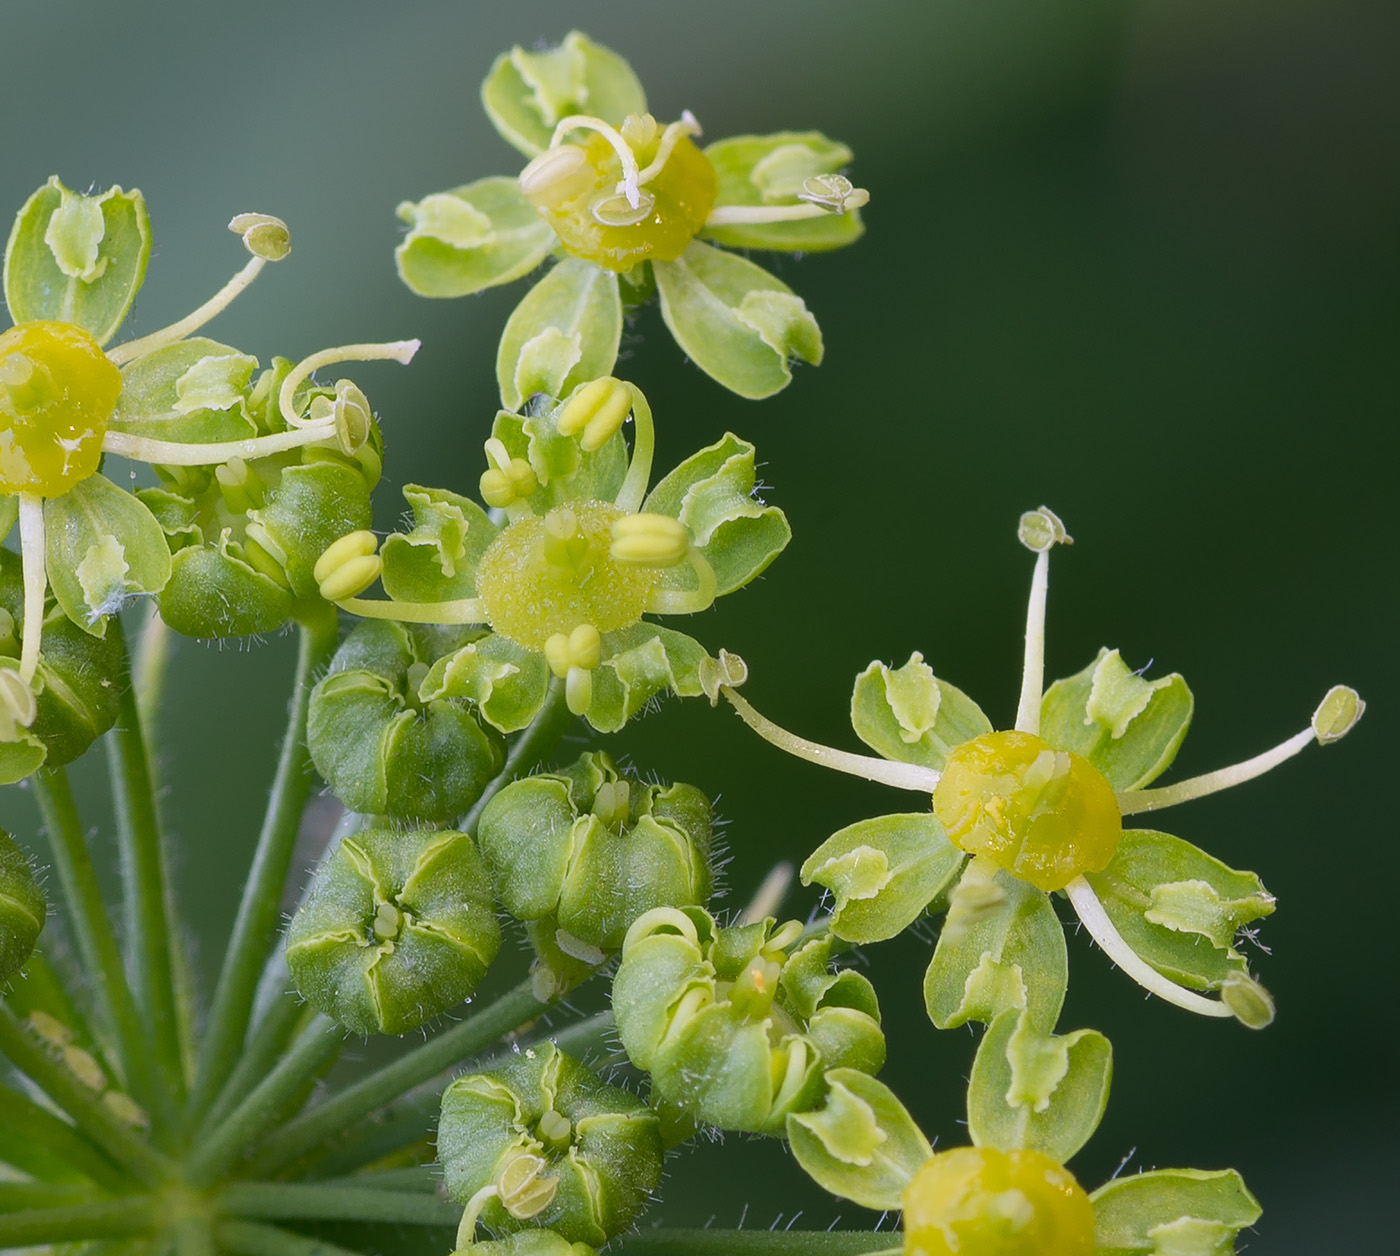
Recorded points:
1105,933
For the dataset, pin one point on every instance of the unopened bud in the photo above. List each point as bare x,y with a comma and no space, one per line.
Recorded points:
1337,714
263,235
595,412
1250,1003
649,540
348,566
1040,529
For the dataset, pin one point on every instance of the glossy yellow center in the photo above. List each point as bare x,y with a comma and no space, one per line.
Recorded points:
57,391
547,575
975,1201
594,221
1044,815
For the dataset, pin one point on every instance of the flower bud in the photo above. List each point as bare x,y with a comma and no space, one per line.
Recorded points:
1337,714
563,1149
648,540
380,746
735,1030
397,928
22,908
584,852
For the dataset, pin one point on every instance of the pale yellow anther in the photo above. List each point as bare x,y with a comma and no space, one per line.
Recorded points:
582,649
649,540
1041,529
1337,714
507,480
84,1067
50,1028
524,1191
556,175
126,1109
595,412
18,706
833,192
348,566
263,235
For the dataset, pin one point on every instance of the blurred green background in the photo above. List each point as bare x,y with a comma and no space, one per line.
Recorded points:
1136,259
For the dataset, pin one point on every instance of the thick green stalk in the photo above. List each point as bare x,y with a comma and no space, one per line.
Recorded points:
111,1219
264,1048
315,1201
220,1149
512,1010
97,944
135,1155
34,1140
259,910
146,882
19,1196
252,1238
761,1242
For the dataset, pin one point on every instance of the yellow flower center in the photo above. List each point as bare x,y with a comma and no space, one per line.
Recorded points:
547,575
57,391
575,190
976,1201
1044,815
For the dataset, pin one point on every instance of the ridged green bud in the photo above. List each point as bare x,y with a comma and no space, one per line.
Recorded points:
384,750
398,927
735,1030
22,908
75,688
582,853
564,1149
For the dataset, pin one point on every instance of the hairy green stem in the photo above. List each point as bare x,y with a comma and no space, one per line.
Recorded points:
220,1149
252,1238
146,883
468,1038
308,1201
258,911
264,1048
97,944
110,1219
100,1125
760,1242
34,1140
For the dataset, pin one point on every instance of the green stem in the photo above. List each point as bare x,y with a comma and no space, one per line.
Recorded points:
535,743
251,1238
97,944
218,1151
19,1196
34,1140
149,909
760,1242
111,1219
269,1039
306,1201
194,1235
136,1156
258,911
419,1178
311,1129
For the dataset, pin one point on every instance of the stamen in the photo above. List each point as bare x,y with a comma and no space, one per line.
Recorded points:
1039,531
688,601
1131,802
884,771
821,195
170,453
31,543
634,486
266,238
629,184
768,898
670,137
400,351
466,1231
467,610
1102,930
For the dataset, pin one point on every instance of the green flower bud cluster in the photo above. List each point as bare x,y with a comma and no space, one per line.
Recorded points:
542,1141
386,736
580,854
398,927
737,1026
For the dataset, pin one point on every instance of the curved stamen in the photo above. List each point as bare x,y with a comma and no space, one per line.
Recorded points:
216,304
1133,801
634,485
630,185
36,581
466,1230
886,772
467,610
1103,931
400,351
171,453
688,601
670,137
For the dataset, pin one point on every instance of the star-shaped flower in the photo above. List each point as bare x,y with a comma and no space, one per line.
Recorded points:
631,205
1039,808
